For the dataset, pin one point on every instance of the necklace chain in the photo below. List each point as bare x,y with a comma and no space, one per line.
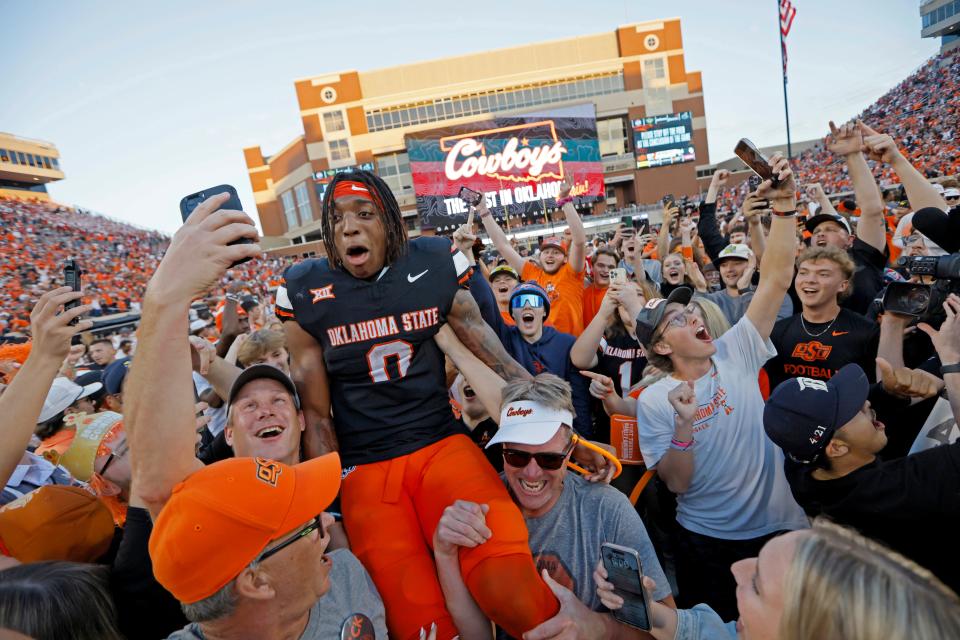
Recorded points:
817,335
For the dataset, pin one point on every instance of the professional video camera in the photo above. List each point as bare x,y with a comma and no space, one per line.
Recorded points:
925,301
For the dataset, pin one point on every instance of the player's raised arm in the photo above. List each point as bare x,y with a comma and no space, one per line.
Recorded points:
465,319
310,375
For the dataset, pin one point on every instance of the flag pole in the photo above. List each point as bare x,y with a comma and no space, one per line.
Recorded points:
783,63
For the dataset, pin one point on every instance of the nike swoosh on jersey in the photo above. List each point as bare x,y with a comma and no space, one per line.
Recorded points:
411,278
839,333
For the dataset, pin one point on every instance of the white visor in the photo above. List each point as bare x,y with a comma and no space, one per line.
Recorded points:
526,422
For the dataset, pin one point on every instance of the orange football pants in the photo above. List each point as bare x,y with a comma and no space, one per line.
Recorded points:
391,510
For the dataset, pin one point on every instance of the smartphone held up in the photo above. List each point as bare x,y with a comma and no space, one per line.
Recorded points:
72,278
192,201
758,163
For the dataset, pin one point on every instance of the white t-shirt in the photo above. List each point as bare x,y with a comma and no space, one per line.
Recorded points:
738,490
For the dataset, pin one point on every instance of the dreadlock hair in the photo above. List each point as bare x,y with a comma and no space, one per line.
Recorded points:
392,218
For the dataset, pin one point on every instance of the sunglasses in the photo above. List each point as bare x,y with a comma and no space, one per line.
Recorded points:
546,461
526,299
303,533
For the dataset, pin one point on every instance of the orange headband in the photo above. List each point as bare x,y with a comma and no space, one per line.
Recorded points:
346,188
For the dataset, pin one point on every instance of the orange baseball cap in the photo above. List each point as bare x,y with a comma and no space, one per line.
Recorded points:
56,522
220,518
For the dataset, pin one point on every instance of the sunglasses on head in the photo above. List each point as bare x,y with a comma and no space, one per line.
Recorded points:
545,460
526,299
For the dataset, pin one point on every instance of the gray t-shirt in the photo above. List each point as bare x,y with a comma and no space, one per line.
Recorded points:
351,591
738,490
566,541
735,307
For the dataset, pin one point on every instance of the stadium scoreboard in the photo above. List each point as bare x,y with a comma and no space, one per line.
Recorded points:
664,140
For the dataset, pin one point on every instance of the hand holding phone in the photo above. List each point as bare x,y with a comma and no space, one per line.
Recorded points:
470,197
618,275
751,156
624,571
192,201
72,278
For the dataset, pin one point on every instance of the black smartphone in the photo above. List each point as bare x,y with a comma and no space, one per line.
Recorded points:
751,156
470,196
192,201
669,201
72,278
626,574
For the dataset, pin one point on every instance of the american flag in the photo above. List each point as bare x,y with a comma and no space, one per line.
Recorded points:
787,14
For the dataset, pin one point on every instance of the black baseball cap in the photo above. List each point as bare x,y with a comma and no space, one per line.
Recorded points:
802,414
258,371
812,223
652,313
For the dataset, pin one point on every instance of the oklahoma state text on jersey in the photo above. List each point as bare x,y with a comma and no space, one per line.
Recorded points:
387,383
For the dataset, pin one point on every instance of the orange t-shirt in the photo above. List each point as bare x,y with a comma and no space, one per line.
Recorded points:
592,297
565,288
507,318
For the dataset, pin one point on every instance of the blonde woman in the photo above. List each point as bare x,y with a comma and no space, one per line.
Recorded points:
816,584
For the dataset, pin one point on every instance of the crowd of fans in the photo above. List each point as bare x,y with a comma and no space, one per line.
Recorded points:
425,439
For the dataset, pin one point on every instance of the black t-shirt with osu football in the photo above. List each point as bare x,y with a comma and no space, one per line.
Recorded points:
387,385
822,348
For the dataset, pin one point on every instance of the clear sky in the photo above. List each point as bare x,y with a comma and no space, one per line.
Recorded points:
150,101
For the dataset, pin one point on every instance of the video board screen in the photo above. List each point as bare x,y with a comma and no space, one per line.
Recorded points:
322,178
664,140
516,161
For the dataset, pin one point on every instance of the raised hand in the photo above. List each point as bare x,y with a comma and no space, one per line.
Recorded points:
720,177
51,329
878,146
754,205
200,252
683,399
463,237
844,140
815,191
783,197
565,187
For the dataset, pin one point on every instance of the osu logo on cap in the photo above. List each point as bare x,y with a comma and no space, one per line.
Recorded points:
268,471
323,293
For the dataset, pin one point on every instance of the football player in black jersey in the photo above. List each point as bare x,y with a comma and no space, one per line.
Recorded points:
360,326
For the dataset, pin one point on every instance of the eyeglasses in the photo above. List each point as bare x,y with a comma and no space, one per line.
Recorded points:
679,320
526,299
546,461
303,533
